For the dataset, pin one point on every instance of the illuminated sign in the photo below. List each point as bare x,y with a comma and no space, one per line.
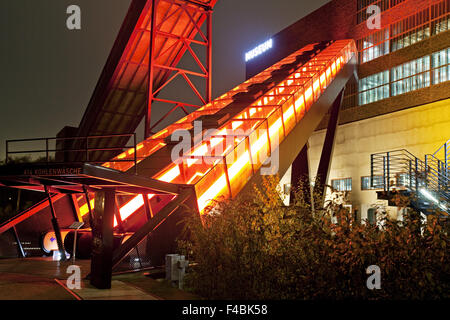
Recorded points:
258,50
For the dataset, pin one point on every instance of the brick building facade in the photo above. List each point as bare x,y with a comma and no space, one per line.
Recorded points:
401,99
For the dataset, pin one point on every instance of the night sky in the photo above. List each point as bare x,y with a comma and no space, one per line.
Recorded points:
48,72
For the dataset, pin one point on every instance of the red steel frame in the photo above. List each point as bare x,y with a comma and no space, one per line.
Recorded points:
189,8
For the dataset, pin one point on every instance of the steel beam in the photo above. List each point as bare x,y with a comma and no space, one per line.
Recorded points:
19,243
327,151
56,227
203,13
300,176
150,226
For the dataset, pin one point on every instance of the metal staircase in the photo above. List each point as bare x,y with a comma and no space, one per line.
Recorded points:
425,181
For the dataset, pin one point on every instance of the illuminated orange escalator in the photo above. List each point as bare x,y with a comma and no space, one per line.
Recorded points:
253,121
224,160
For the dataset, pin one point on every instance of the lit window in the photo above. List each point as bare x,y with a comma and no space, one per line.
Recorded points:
410,30
403,180
410,76
374,88
373,46
402,33
441,66
372,216
342,184
366,183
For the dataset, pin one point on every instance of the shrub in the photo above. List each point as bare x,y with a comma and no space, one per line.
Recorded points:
254,247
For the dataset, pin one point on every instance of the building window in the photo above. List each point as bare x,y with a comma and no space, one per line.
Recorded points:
410,30
440,14
441,25
374,88
342,184
373,46
405,32
372,216
441,66
403,180
411,76
377,183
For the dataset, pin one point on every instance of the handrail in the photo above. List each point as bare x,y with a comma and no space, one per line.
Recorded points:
65,150
429,174
443,145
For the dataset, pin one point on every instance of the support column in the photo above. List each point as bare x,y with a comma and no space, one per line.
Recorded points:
147,131
56,227
327,152
300,175
102,239
86,195
209,56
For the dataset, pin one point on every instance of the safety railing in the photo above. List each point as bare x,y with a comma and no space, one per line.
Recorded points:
402,170
443,154
73,150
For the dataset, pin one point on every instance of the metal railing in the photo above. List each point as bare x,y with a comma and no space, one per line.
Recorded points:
443,154
74,150
417,176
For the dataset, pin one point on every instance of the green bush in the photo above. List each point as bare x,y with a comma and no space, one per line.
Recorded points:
257,248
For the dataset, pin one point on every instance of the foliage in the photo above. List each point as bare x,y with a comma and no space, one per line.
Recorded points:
254,247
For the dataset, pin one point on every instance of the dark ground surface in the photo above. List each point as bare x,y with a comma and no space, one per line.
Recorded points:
34,279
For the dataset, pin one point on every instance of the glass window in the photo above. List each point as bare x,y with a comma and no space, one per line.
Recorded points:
372,215
374,88
441,66
441,25
410,76
377,183
410,30
402,180
342,184
373,46
432,20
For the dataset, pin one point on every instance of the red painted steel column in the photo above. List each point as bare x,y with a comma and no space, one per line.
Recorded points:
209,55
150,71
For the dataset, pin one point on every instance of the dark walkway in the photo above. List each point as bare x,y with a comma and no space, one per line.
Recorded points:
45,279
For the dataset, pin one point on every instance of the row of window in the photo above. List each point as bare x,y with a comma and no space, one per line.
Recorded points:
408,31
409,76
345,184
362,14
